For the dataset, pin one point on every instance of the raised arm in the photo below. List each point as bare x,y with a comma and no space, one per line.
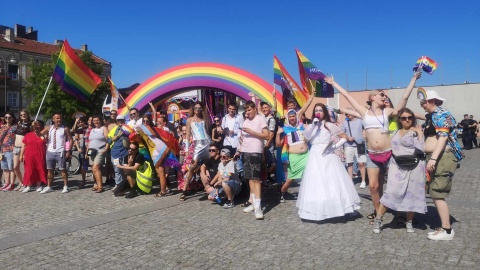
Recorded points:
403,102
351,112
306,105
154,112
359,108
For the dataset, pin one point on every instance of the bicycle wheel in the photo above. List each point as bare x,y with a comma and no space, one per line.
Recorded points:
73,165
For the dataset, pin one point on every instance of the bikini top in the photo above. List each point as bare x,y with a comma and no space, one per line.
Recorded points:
375,121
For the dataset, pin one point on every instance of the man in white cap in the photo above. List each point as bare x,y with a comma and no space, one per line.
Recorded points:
443,153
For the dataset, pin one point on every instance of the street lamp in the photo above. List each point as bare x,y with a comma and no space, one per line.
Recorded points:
10,58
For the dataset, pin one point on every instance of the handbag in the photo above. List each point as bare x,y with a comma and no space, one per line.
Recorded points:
92,152
361,148
145,177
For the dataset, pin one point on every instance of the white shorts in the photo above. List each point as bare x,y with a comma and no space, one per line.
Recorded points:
351,153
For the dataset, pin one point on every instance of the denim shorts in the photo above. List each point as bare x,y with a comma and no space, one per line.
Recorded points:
56,158
373,164
252,164
16,150
7,161
235,186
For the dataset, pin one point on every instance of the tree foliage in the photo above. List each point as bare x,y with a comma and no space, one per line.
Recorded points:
56,100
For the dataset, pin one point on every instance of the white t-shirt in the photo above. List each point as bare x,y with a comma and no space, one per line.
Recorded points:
228,170
235,124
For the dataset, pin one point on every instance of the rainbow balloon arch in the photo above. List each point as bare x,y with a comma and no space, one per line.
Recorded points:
214,76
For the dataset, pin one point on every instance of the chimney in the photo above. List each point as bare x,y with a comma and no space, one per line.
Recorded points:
9,35
58,42
84,47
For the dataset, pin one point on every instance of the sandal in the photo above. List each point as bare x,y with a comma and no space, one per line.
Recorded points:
81,185
372,215
182,197
167,193
99,190
94,187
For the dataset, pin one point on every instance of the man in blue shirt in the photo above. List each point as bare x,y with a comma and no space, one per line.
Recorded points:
118,149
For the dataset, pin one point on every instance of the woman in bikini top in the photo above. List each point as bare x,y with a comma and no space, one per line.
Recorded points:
375,119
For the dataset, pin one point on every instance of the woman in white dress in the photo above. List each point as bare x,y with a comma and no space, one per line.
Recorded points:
326,190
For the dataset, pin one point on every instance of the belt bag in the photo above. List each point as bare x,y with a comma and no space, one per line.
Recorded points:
408,162
361,148
92,152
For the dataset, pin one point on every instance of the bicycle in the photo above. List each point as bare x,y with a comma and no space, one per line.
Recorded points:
73,164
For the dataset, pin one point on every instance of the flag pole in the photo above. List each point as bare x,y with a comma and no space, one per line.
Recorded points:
44,95
274,100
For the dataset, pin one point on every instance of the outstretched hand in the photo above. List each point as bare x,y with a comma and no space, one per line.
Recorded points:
329,80
417,75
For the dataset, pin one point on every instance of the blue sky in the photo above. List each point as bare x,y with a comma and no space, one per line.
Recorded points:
382,39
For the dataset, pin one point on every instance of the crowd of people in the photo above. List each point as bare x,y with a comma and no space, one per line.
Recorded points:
242,152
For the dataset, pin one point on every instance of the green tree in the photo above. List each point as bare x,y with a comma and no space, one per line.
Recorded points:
57,100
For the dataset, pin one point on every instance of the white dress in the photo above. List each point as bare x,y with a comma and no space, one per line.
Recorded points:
326,190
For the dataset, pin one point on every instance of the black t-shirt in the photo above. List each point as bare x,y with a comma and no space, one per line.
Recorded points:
140,159
464,124
212,166
472,122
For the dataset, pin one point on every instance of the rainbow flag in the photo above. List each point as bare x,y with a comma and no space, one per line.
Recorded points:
115,95
300,95
312,78
427,64
73,76
280,80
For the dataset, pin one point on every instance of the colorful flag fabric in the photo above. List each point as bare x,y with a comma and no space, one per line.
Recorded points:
73,76
299,95
312,78
115,94
427,64
280,80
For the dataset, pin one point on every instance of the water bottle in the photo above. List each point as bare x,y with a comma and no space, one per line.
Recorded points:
217,198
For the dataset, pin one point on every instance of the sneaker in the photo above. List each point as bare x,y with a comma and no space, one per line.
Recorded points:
363,185
441,234
409,226
65,189
282,199
228,204
436,229
26,189
19,186
39,189
46,190
377,225
114,188
9,188
258,214
131,194
249,209
4,186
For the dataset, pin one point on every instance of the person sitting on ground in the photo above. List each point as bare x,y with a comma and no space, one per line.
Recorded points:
209,169
135,160
228,183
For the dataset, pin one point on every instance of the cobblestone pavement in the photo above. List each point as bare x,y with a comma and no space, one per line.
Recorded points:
83,230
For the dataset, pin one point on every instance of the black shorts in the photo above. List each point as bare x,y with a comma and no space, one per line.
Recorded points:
252,164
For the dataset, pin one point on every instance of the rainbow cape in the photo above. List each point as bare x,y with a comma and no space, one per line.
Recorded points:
115,94
73,76
427,64
312,78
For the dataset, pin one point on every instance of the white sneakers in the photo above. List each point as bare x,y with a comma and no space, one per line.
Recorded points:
26,189
258,212
440,234
409,226
65,189
377,225
363,185
249,209
46,190
39,189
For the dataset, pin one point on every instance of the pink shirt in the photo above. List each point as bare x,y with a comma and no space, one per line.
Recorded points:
249,143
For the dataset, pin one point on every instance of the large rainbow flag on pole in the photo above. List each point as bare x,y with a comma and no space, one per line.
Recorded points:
311,77
279,79
298,93
73,76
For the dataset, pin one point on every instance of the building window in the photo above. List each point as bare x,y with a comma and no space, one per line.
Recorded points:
13,72
12,99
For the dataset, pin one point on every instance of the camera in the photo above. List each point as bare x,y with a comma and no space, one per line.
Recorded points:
280,122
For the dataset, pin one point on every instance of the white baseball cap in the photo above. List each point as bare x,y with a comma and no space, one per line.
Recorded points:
432,94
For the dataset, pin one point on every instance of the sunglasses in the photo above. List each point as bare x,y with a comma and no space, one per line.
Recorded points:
381,94
224,157
133,149
216,120
405,118
212,150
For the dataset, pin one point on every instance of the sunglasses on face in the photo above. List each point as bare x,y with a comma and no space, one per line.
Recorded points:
405,118
216,120
132,149
212,150
223,157
381,94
